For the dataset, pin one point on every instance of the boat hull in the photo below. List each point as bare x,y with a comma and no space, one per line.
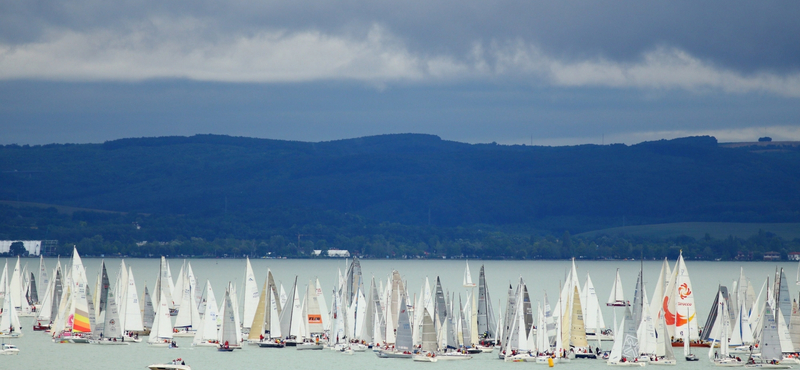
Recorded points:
169,367
109,343
390,354
309,347
421,358
626,364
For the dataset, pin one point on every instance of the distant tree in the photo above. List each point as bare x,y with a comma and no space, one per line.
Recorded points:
18,249
566,246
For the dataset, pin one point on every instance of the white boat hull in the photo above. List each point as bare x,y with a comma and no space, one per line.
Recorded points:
662,362
422,358
109,343
307,346
391,354
627,363
169,367
453,357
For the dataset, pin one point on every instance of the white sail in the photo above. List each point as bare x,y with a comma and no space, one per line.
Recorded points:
783,333
403,341
313,314
9,319
111,328
208,329
162,324
658,292
236,319
646,332
229,330
770,341
250,294
337,323
170,284
166,285
679,293
120,291
284,297
44,279
45,313
323,307
133,314
592,317
616,298
468,278
542,341
180,287
183,300
188,316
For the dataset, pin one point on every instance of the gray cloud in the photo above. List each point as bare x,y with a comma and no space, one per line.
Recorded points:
745,36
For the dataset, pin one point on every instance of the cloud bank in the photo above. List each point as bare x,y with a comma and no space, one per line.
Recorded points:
168,48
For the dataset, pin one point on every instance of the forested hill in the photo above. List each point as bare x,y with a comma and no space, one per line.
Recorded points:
414,179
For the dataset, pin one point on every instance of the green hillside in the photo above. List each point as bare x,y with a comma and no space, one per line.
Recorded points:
397,195
698,230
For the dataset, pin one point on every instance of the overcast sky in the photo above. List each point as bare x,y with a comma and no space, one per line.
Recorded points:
541,72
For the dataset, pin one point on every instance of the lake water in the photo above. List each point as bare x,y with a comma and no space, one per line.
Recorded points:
39,352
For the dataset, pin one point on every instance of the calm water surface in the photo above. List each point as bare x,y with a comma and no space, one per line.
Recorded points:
38,352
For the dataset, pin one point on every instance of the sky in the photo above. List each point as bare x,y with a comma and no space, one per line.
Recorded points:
512,72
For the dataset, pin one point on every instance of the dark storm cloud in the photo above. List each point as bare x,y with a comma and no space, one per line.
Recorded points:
746,36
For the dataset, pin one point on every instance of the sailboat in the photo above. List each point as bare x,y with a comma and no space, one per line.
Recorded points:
679,293
75,319
403,344
468,278
52,297
188,319
149,313
161,332
429,343
664,353
769,343
251,297
626,344
687,348
111,333
487,333
720,334
206,335
291,318
617,298
16,289
9,320
451,350
312,319
270,336
516,347
592,317
577,339
228,337
130,313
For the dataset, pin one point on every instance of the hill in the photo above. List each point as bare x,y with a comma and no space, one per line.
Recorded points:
699,230
414,179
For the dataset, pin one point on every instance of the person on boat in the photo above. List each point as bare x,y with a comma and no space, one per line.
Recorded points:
623,359
183,362
226,345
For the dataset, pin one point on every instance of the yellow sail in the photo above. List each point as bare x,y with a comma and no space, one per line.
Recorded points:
257,327
578,330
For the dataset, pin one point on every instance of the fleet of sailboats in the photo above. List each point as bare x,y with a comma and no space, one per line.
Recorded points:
428,325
